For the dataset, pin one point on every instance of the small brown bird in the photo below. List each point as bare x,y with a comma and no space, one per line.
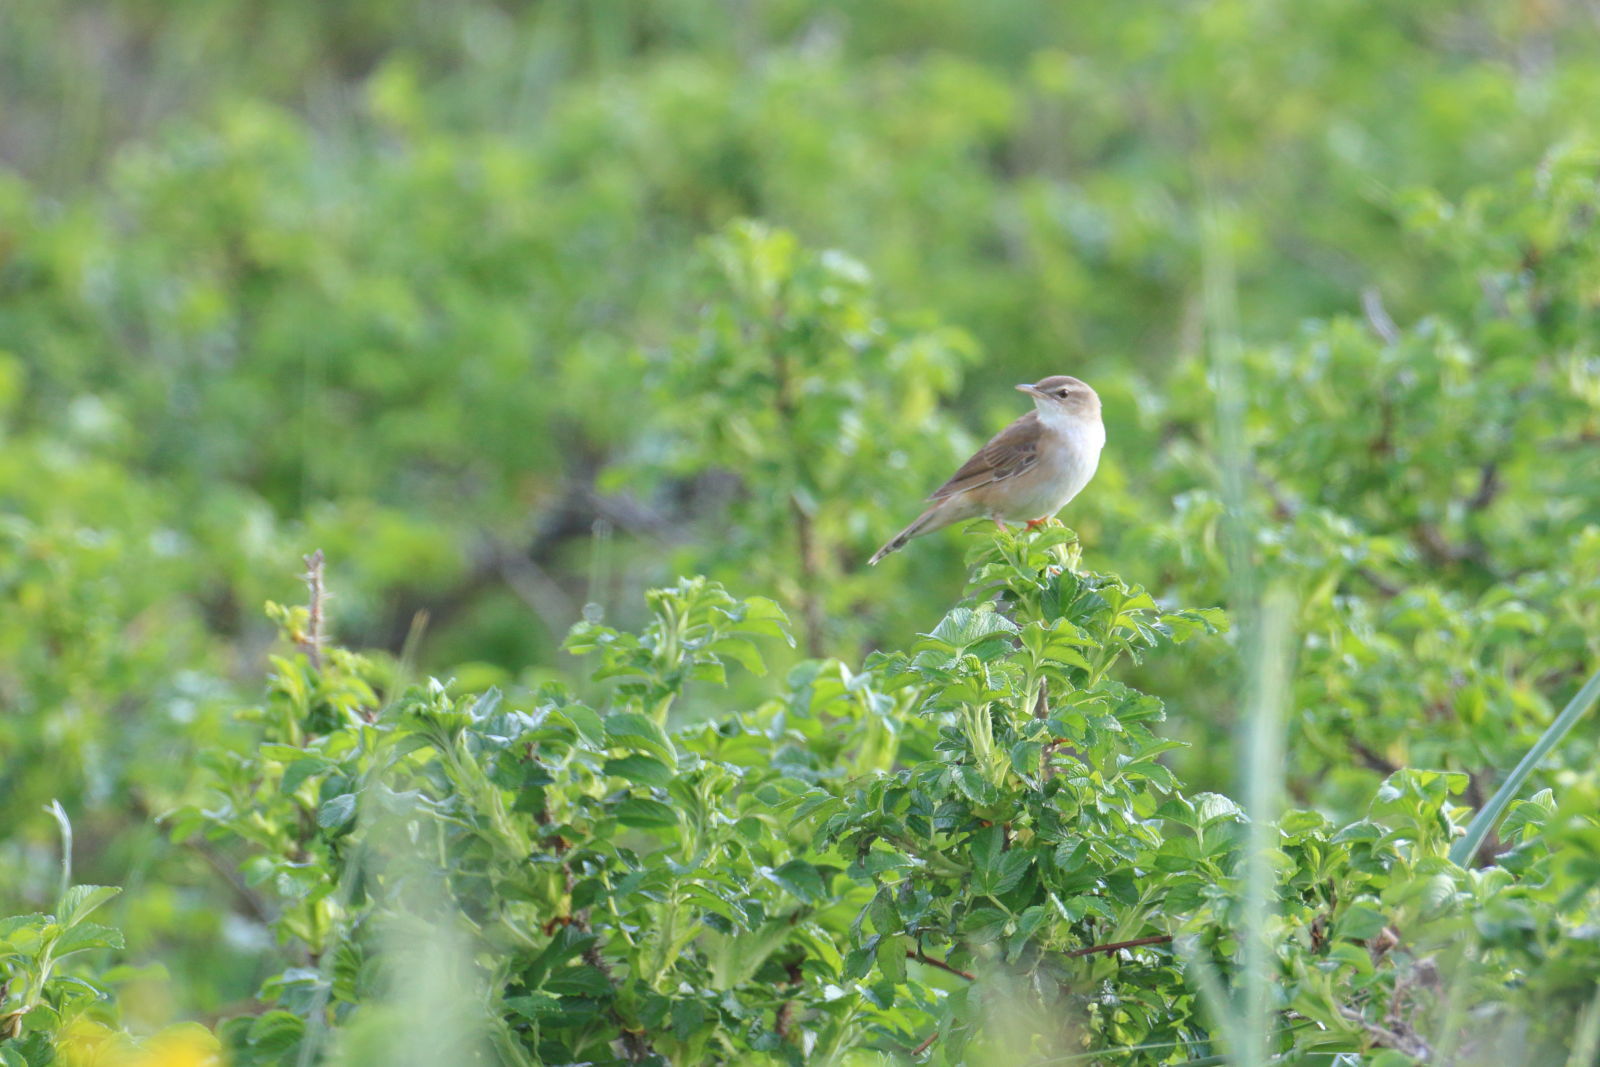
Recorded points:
1029,470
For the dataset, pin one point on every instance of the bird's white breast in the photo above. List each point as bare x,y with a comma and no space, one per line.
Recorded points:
1068,456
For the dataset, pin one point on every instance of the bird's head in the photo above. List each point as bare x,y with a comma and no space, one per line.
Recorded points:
1062,394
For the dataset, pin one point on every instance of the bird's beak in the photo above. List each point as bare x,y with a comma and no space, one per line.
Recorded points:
1028,388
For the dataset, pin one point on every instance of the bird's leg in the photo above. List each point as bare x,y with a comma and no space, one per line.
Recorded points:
1000,524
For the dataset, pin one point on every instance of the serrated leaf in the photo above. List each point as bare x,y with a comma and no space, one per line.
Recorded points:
763,616
964,627
646,814
590,726
535,1005
799,878
631,730
1211,807
276,1032
986,846
1359,922
891,957
87,936
640,769
23,929
579,982
974,786
742,651
296,773
709,670
336,811
1013,865
79,901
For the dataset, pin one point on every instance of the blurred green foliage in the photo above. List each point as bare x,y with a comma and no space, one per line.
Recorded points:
464,294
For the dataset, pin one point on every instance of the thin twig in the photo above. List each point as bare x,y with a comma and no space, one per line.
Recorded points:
312,643
241,889
1488,486
926,1044
534,587
923,957
1157,939
810,554
1374,760
634,1042
1384,1037
1379,582
1378,316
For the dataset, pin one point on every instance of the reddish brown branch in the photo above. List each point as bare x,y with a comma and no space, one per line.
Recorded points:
923,957
926,1045
1157,939
1373,760
1489,486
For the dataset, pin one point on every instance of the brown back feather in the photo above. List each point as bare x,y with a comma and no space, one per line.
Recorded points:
1008,453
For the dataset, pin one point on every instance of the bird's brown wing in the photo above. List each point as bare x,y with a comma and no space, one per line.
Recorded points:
1009,453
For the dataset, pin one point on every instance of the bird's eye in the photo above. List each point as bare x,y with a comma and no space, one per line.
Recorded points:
1062,393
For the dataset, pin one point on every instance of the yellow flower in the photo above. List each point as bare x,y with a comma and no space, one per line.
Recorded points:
89,1044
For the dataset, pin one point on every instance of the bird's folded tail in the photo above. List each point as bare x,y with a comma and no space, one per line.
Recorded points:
928,520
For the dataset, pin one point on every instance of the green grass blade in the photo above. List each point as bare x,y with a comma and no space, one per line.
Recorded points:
1463,850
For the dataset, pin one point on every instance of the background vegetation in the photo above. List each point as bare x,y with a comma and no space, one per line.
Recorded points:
517,312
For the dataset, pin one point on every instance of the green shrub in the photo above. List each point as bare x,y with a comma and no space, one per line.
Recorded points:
964,850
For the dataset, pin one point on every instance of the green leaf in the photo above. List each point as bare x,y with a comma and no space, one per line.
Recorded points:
742,651
641,770
535,1006
987,845
735,959
590,726
336,811
79,901
984,924
579,982
276,1032
646,814
764,616
799,878
891,957
87,936
964,627
23,931
688,1017
974,786
1013,865
1211,808
641,733
1359,922
296,773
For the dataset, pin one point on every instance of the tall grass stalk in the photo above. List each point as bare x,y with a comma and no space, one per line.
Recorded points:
1586,1042
1263,791
59,813
1245,1016
1467,847
1265,624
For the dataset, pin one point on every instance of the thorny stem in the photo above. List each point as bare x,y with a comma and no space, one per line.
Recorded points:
810,555
311,642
